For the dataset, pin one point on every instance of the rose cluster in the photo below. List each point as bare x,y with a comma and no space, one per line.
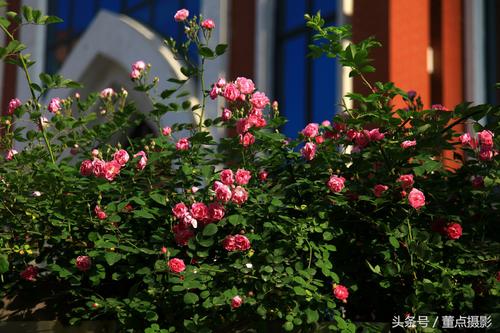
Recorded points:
484,142
110,169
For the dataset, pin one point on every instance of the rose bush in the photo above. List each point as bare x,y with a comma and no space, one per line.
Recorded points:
358,219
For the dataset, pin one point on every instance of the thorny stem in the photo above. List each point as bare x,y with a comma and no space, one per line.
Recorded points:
33,95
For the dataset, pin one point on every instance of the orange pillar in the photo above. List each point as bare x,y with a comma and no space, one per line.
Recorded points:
409,38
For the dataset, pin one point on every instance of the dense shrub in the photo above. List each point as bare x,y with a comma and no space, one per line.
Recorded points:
357,219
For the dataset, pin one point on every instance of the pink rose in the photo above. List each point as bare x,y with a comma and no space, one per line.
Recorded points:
182,234
236,302
259,100
215,92
182,144
486,154
83,263
30,273
407,144
241,243
246,86
101,215
311,130
166,131
179,210
247,139
55,105
326,123
467,140
243,176
309,151
406,181
454,231
216,211
181,15
135,74
98,167
351,134
240,195
9,156
199,211
223,193
176,265
143,160
319,139
13,105
340,292
107,93
226,177
242,126
477,182
226,115
263,175
111,170
379,189
375,135
139,66
208,24
336,183
121,156
221,82
439,107
231,92
416,198
485,138
362,138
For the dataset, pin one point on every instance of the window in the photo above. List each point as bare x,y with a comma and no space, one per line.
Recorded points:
306,88
78,14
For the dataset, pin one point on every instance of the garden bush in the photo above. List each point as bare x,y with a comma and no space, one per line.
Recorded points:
358,219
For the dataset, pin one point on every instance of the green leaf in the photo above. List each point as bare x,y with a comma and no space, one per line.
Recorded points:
206,52
312,315
158,198
143,214
220,49
112,258
210,229
394,242
4,264
375,269
190,298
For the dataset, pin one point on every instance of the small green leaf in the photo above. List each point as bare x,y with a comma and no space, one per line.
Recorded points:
312,315
190,298
206,52
112,258
220,49
394,242
4,264
210,229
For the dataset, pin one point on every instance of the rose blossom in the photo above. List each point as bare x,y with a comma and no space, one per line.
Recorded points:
176,265
231,92
226,114
236,302
362,138
375,135
247,139
439,107
406,181
242,125
141,164
101,215
214,92
13,105
199,211
166,131
467,140
308,151
181,15
216,211
182,234
259,100
221,82
139,65
182,144
485,138
10,154
236,243
240,195
454,231
416,198
111,170
208,24
30,273
107,93
486,154
227,177
477,182
98,167
311,130
407,144
340,292
55,105
319,139
179,210
263,175
336,183
121,156
83,263
246,86
379,189
243,176
135,74
223,193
